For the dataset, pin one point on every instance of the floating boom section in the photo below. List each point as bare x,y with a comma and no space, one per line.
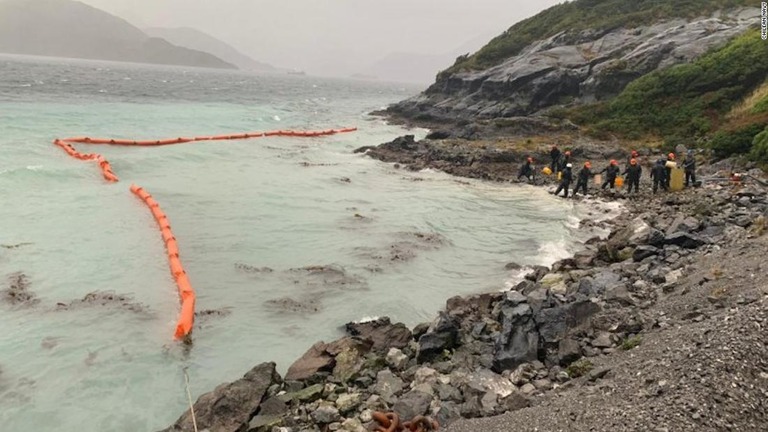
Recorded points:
186,319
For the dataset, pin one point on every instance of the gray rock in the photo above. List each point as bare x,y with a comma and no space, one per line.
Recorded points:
518,341
309,394
388,385
449,393
683,223
396,359
230,407
382,333
554,323
448,413
603,340
568,351
353,425
483,381
539,299
348,401
326,414
443,336
264,423
515,401
412,404
656,238
685,240
644,251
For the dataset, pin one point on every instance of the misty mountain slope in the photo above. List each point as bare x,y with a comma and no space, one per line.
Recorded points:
690,72
65,28
198,40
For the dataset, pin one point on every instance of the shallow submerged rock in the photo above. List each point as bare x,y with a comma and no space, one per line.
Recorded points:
18,292
104,299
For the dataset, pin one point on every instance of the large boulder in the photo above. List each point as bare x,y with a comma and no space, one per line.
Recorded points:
518,341
382,333
555,323
412,404
442,336
230,407
685,240
321,357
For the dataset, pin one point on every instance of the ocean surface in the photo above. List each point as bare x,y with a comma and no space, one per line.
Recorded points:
250,217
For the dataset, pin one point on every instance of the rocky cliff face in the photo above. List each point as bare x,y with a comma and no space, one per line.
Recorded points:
572,68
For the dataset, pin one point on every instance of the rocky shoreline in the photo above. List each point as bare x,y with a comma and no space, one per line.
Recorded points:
691,261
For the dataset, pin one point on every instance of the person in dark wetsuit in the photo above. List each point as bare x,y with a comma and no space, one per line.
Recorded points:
565,159
690,168
659,175
633,173
611,172
565,181
526,170
583,178
555,155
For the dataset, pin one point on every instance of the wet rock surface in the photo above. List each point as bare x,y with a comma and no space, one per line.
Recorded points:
632,333
18,292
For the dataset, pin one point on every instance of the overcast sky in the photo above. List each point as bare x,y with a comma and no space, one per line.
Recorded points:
333,37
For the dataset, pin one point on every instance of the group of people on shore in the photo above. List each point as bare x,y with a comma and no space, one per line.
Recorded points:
562,166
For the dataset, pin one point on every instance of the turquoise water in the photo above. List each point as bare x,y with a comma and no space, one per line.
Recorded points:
280,203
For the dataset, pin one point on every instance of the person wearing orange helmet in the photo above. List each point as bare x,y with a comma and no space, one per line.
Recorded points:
633,155
555,155
583,179
526,170
633,173
659,176
611,172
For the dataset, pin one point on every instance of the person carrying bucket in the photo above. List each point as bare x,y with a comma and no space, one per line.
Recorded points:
668,177
633,173
611,172
583,178
565,181
526,170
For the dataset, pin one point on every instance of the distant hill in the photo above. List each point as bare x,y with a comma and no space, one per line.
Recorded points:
195,39
65,28
418,67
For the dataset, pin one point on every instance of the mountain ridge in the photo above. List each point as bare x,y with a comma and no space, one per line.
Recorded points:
66,28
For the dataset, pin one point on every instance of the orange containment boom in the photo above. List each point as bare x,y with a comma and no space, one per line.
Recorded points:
186,293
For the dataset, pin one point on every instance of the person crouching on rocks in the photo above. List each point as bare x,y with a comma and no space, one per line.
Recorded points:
659,175
611,172
633,173
555,155
526,170
565,181
583,179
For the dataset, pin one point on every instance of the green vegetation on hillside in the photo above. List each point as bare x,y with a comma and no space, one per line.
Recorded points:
689,102
600,15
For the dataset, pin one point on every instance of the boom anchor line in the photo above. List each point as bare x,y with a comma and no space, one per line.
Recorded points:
186,319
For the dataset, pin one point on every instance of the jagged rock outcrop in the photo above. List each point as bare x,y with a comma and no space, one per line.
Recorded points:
579,67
